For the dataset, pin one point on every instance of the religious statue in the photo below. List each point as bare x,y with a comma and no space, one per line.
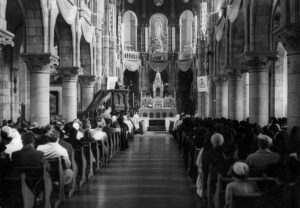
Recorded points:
158,86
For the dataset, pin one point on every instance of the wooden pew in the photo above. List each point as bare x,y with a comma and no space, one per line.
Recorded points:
75,175
118,143
262,182
110,146
57,176
89,158
96,154
34,175
100,144
81,164
246,201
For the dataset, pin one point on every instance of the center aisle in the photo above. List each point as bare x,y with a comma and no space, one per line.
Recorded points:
149,174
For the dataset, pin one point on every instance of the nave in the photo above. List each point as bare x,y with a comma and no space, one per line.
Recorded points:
150,174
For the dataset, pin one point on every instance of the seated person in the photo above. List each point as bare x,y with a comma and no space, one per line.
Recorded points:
5,164
263,157
115,124
213,157
229,154
54,150
35,128
15,143
240,185
98,133
28,156
128,123
71,138
77,125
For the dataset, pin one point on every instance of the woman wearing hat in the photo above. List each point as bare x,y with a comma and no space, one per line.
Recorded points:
240,185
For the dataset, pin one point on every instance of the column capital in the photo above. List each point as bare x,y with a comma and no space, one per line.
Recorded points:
40,62
258,60
6,38
235,72
70,74
289,36
220,79
87,80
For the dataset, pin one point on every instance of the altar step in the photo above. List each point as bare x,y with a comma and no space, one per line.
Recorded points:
156,128
157,125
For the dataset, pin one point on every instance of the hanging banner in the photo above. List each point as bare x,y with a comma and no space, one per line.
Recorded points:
202,84
233,10
204,17
158,66
111,82
132,65
184,65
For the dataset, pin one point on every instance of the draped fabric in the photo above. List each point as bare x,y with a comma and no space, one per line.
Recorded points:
132,65
233,10
219,29
88,30
85,12
184,65
158,66
68,10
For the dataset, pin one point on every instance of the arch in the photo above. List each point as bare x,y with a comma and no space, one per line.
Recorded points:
36,26
221,55
186,24
85,57
63,33
237,39
260,13
130,22
13,70
158,33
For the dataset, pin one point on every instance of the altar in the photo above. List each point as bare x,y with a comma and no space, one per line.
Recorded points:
160,106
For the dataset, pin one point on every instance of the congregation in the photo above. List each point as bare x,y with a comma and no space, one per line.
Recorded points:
227,159
32,146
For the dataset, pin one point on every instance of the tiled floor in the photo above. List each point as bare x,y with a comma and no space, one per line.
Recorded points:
149,174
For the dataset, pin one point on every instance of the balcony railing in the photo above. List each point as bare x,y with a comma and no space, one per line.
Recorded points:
185,55
131,55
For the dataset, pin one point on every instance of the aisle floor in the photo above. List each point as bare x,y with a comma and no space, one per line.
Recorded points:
149,174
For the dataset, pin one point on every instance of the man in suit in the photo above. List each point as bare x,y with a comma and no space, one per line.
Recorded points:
28,156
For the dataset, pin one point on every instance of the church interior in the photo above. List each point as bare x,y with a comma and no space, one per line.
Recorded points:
149,103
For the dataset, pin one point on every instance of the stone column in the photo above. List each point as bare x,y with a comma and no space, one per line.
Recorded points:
98,33
39,66
235,93
99,66
293,112
221,82
87,90
258,65
288,34
6,38
246,95
69,92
